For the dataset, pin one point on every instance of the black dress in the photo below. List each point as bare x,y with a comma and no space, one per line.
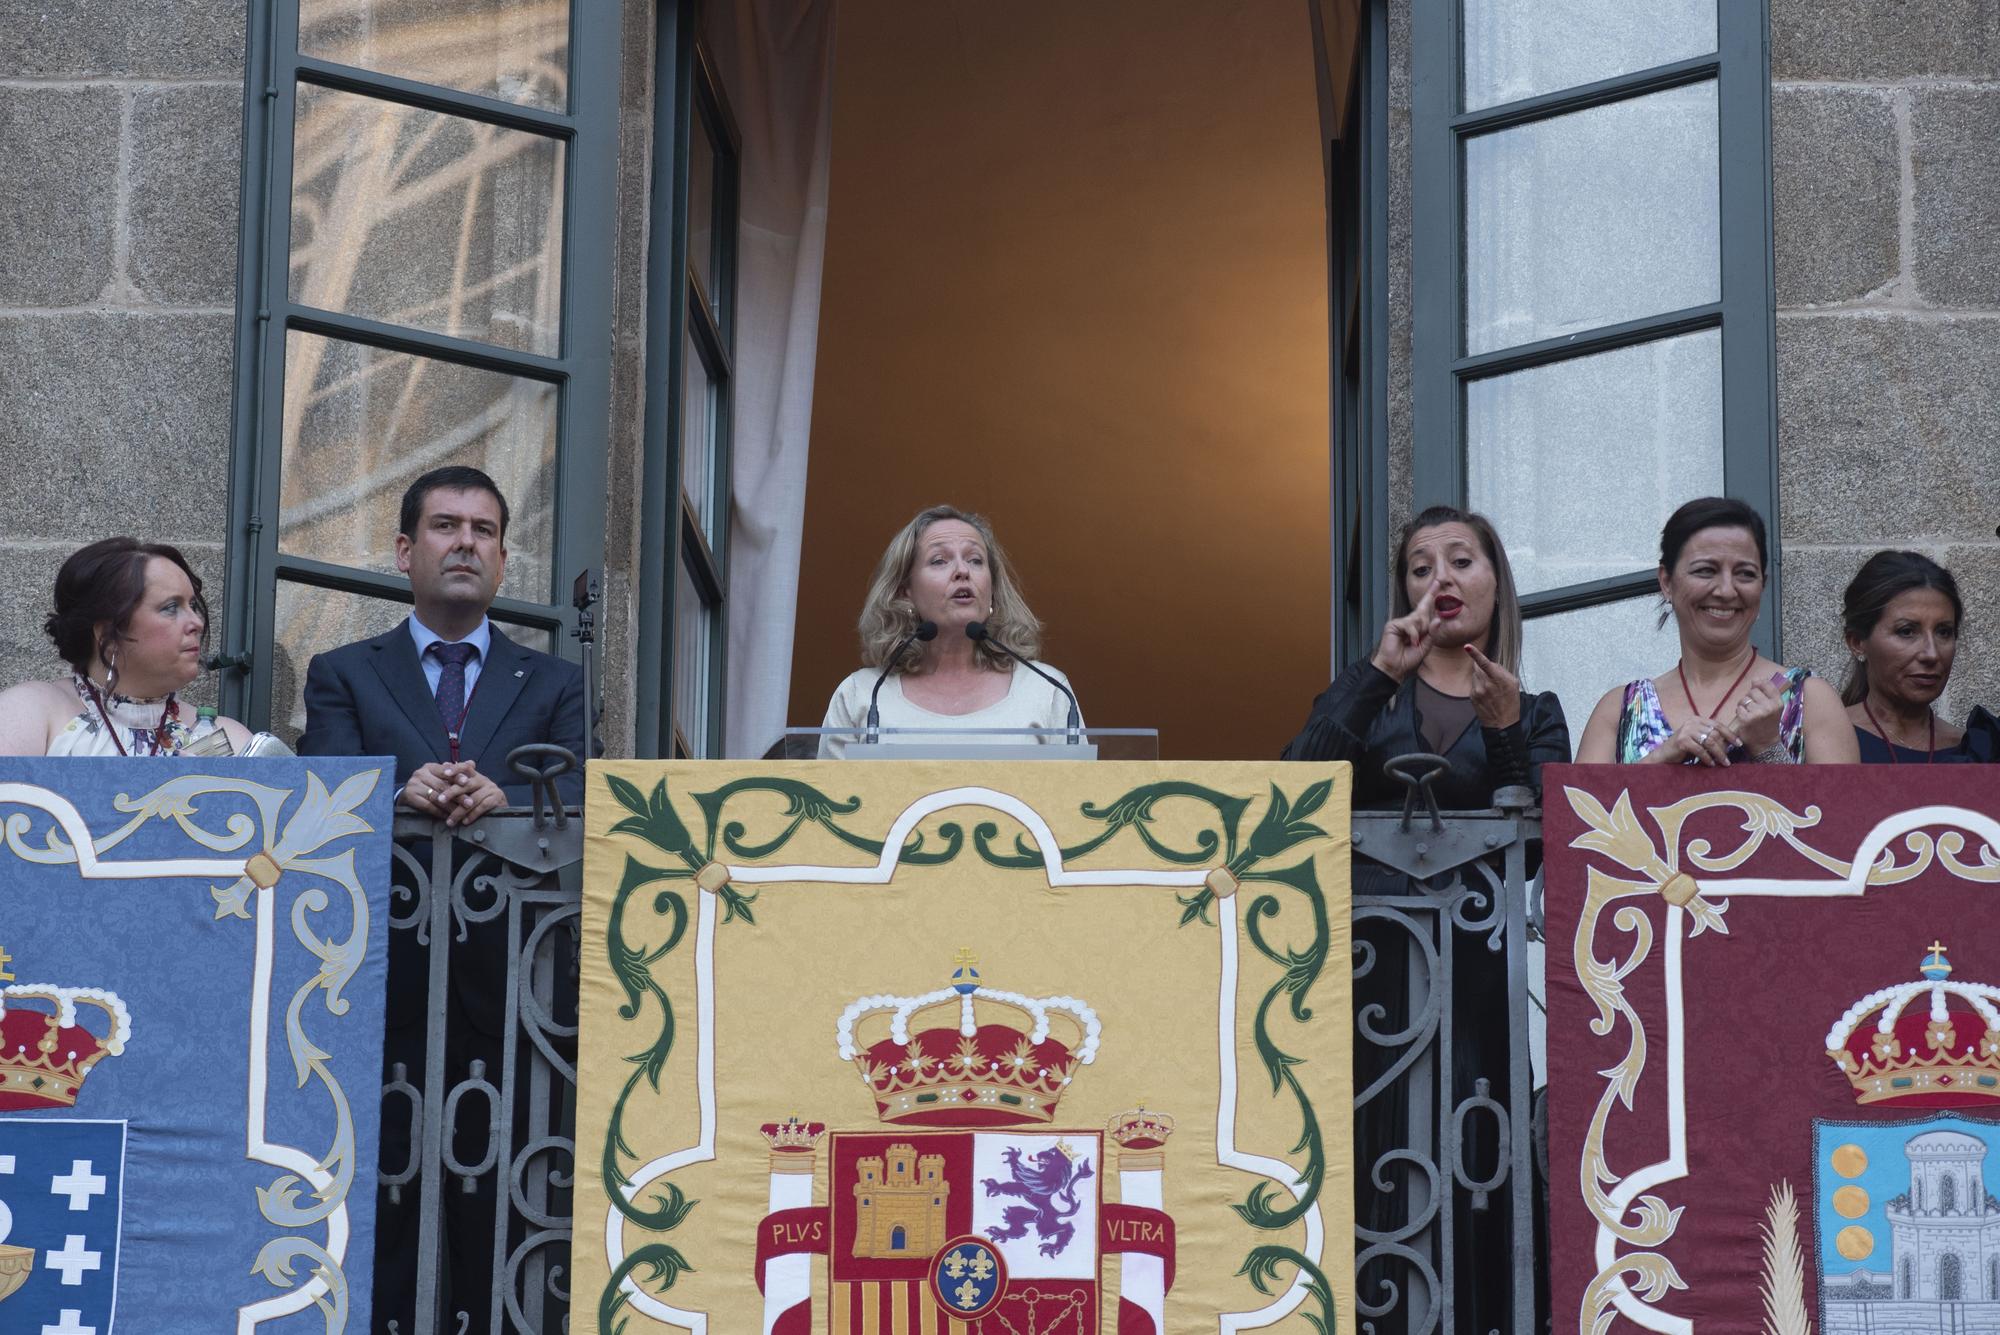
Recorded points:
1365,718
1979,746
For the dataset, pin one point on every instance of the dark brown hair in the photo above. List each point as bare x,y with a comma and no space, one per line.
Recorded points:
101,585
1881,579
1703,513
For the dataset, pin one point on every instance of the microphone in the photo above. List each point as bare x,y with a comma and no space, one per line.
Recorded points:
976,632
925,631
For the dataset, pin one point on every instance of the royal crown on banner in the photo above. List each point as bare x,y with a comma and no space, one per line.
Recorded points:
1933,1043
968,1055
45,1052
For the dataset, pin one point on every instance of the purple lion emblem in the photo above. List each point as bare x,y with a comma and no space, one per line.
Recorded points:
1048,1184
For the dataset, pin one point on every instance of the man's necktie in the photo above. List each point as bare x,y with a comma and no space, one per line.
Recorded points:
452,659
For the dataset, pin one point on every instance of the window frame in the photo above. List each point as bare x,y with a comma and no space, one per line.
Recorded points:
688,96
1745,312
1357,183
266,314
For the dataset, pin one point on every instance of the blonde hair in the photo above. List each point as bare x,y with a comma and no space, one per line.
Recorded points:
888,615
1503,636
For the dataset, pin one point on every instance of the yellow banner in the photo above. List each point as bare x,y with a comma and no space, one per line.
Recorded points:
1005,1049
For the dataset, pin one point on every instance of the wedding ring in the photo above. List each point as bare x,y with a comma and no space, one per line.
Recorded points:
430,791
1703,739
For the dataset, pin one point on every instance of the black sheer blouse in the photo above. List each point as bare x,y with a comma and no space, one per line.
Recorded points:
1365,718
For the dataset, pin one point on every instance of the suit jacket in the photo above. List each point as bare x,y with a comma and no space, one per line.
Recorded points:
370,698
1363,717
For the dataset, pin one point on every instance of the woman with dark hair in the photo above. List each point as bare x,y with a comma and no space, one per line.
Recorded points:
946,568
1443,679
130,621
1902,616
1724,703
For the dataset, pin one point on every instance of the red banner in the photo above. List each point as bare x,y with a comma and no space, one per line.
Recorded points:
1774,1048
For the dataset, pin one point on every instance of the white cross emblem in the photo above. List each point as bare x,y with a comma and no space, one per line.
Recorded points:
79,1184
71,1324
73,1260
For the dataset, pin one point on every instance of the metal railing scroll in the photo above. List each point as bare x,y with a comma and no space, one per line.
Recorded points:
479,1097
1446,1185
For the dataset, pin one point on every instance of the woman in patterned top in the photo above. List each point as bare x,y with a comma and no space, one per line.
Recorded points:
130,621
1723,703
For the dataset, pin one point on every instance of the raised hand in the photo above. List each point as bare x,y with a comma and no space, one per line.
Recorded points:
1406,640
1496,692
1759,712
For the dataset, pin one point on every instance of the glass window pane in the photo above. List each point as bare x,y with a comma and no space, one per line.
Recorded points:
1580,655
1516,49
1592,218
1579,463
691,650
702,256
421,219
512,50
698,436
313,620
362,423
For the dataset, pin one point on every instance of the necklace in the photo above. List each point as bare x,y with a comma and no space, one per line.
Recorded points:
1930,757
1689,691
169,718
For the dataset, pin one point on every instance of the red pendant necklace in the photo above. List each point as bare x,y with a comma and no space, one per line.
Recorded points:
1689,691
1930,757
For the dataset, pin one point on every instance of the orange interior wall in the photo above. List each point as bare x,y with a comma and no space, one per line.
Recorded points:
1076,279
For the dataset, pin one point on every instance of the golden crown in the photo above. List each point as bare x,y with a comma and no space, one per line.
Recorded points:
968,1054
45,1053
1140,1129
1921,1051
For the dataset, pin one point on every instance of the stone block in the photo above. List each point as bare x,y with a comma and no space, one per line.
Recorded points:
121,420
1836,193
1956,154
1815,578
186,168
27,580
59,176
1975,674
89,38
1886,428
1861,40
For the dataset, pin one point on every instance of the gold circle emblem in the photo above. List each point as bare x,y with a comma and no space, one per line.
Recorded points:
1854,1242
1850,1161
1850,1202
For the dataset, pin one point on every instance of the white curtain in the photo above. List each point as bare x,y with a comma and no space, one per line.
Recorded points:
775,59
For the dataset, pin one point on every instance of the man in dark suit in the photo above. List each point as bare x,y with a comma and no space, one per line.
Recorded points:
449,697
445,692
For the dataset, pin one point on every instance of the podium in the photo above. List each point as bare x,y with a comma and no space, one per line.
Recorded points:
973,743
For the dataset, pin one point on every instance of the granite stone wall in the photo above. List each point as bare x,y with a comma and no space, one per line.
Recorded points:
1886,148
120,124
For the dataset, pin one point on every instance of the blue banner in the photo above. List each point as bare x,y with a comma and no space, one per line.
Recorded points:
191,985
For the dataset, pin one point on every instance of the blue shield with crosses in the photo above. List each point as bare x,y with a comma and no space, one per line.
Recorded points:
61,1207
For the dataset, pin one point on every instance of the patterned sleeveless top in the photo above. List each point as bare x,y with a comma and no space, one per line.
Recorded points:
1642,723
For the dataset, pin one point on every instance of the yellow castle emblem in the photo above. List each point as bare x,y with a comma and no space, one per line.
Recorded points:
899,1203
